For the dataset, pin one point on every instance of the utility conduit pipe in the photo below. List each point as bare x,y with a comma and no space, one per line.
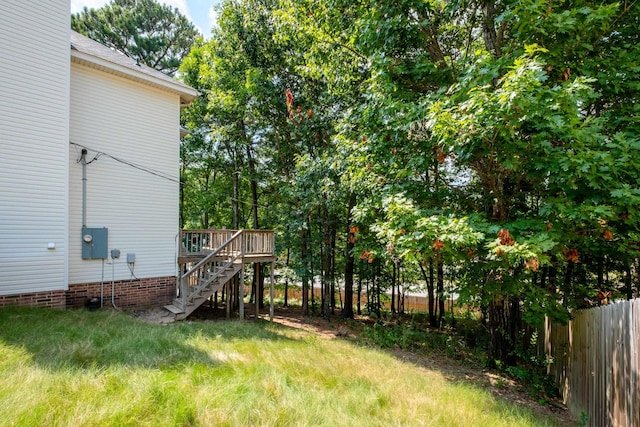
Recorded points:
83,158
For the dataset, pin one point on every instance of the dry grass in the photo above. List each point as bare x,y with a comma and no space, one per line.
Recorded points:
105,368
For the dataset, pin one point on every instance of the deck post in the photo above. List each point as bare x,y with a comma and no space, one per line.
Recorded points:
271,292
229,299
241,293
257,299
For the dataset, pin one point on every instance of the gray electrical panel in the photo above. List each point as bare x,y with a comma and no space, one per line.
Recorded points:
94,243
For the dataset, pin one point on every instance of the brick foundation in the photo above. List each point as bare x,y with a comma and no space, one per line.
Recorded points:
142,293
55,299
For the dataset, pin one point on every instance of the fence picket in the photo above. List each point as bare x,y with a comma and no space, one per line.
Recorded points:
596,363
633,407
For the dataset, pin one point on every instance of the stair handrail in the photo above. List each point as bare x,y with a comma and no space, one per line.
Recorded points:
183,291
215,253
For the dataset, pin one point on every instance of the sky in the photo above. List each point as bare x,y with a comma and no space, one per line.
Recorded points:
200,12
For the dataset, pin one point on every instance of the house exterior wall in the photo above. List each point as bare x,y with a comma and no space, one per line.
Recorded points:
51,299
139,125
34,135
134,294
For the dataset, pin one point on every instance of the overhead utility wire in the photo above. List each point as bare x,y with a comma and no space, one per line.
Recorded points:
128,163
151,171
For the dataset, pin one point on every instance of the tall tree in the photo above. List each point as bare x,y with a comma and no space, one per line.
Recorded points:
469,137
153,33
486,114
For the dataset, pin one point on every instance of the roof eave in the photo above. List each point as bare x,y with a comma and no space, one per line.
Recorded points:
187,94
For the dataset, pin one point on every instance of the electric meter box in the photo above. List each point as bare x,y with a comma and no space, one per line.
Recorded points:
95,243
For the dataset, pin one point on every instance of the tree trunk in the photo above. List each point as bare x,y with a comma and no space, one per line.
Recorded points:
433,321
367,290
627,280
543,277
258,283
440,291
378,287
359,301
347,311
286,281
254,186
400,291
568,275
600,273
326,258
492,38
236,198
322,279
504,323
332,268
374,292
235,201
311,271
205,220
393,289
553,271
305,277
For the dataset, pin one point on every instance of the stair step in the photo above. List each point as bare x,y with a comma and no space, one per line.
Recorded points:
199,300
172,308
224,276
210,279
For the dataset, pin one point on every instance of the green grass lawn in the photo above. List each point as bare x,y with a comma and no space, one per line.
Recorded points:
80,368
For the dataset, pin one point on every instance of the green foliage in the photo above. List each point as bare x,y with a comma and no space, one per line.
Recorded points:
396,336
584,419
465,344
153,33
532,372
499,142
473,334
415,234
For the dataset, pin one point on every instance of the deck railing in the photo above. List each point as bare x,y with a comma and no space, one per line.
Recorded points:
209,269
203,242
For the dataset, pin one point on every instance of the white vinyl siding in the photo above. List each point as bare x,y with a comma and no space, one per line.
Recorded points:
136,124
34,135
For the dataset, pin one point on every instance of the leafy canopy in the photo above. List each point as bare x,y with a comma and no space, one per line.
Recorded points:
155,34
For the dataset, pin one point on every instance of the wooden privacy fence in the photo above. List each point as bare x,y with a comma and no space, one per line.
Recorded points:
412,303
596,363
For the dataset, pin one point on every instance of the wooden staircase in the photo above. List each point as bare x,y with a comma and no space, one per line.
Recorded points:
219,263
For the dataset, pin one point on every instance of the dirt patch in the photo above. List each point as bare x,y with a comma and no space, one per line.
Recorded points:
325,328
156,315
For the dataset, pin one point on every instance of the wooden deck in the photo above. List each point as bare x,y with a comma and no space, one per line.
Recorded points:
210,259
